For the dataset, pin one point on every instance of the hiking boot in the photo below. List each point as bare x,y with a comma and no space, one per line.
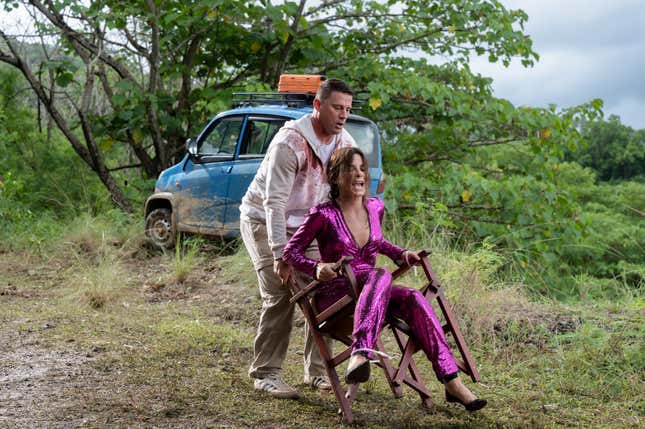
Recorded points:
319,382
275,386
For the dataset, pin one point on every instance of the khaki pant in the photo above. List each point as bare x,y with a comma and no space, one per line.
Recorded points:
276,318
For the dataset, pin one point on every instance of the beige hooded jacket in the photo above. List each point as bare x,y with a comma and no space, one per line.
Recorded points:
290,180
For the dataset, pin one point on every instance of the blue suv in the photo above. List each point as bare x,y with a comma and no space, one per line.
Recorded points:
202,193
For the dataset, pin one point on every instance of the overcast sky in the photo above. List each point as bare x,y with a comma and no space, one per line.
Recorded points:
588,49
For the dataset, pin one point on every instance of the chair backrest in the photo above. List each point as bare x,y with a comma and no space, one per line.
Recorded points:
432,290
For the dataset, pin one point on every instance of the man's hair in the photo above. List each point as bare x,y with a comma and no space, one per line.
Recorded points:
330,85
339,163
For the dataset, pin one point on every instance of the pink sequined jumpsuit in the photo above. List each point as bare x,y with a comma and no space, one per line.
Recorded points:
378,297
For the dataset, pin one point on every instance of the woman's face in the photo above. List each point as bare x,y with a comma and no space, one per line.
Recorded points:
353,179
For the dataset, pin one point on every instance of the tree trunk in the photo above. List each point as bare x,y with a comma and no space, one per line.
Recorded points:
88,153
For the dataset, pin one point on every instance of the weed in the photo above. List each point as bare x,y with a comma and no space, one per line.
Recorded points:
186,258
100,284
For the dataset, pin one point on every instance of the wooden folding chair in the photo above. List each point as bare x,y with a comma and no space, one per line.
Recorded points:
337,321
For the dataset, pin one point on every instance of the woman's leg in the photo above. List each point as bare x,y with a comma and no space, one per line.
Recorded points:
371,307
412,307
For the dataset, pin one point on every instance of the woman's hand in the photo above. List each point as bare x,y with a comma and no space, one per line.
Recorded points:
409,258
325,271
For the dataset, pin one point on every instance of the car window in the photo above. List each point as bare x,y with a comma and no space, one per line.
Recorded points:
258,134
222,138
366,137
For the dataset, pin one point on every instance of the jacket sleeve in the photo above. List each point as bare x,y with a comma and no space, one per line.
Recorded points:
281,173
294,251
386,248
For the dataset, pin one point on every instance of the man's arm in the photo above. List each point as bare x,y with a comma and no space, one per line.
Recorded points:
281,173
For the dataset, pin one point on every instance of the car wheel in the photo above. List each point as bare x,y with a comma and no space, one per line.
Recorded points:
160,230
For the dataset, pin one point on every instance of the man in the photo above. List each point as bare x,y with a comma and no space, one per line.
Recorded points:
290,180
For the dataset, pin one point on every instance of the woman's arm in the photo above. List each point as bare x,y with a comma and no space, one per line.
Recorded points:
391,250
395,253
294,251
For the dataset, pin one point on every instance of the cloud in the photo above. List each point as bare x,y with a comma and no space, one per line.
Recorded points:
588,49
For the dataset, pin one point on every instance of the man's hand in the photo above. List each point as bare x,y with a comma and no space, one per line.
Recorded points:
284,271
325,271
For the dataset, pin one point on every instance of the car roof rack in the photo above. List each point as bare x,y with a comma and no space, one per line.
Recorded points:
290,99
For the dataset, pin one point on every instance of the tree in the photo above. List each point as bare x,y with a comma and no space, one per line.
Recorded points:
151,71
615,151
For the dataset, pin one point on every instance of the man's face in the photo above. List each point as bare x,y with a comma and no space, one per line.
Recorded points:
334,111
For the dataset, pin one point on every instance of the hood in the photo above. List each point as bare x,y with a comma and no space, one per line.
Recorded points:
304,127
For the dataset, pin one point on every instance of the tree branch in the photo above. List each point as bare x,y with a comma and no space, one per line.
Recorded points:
124,167
477,143
284,52
78,41
17,62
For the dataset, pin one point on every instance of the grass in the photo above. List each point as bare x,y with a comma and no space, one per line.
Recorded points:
149,350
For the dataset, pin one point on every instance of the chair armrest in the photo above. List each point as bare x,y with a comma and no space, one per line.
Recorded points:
404,268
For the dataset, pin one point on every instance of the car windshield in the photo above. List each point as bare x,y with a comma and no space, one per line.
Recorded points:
366,136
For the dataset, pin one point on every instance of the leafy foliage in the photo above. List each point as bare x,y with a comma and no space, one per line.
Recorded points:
615,151
35,167
146,74
613,246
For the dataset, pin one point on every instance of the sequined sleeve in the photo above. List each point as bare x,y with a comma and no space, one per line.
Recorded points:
294,251
386,248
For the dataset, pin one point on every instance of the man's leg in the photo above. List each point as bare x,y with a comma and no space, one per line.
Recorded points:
274,328
272,337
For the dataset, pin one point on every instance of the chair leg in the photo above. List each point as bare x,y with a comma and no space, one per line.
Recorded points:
388,369
434,291
352,392
339,392
419,385
451,321
344,400
407,364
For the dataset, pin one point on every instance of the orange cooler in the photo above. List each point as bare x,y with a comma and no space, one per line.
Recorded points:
300,83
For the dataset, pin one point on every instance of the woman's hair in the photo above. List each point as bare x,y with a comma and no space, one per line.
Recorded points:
341,162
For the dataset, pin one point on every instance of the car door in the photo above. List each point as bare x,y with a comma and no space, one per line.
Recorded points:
259,130
203,196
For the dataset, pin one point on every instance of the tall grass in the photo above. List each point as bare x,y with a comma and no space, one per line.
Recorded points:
185,258
180,353
97,248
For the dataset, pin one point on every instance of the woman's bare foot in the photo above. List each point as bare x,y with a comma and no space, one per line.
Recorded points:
458,389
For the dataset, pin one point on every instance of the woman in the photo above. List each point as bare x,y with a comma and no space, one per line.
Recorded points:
350,225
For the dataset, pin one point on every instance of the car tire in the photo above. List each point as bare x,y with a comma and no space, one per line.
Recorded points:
160,230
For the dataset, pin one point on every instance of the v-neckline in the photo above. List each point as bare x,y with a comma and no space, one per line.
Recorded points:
369,227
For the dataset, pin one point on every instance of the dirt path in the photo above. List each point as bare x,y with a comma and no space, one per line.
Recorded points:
34,381
51,378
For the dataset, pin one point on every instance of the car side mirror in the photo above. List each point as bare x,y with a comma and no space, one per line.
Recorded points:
191,148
